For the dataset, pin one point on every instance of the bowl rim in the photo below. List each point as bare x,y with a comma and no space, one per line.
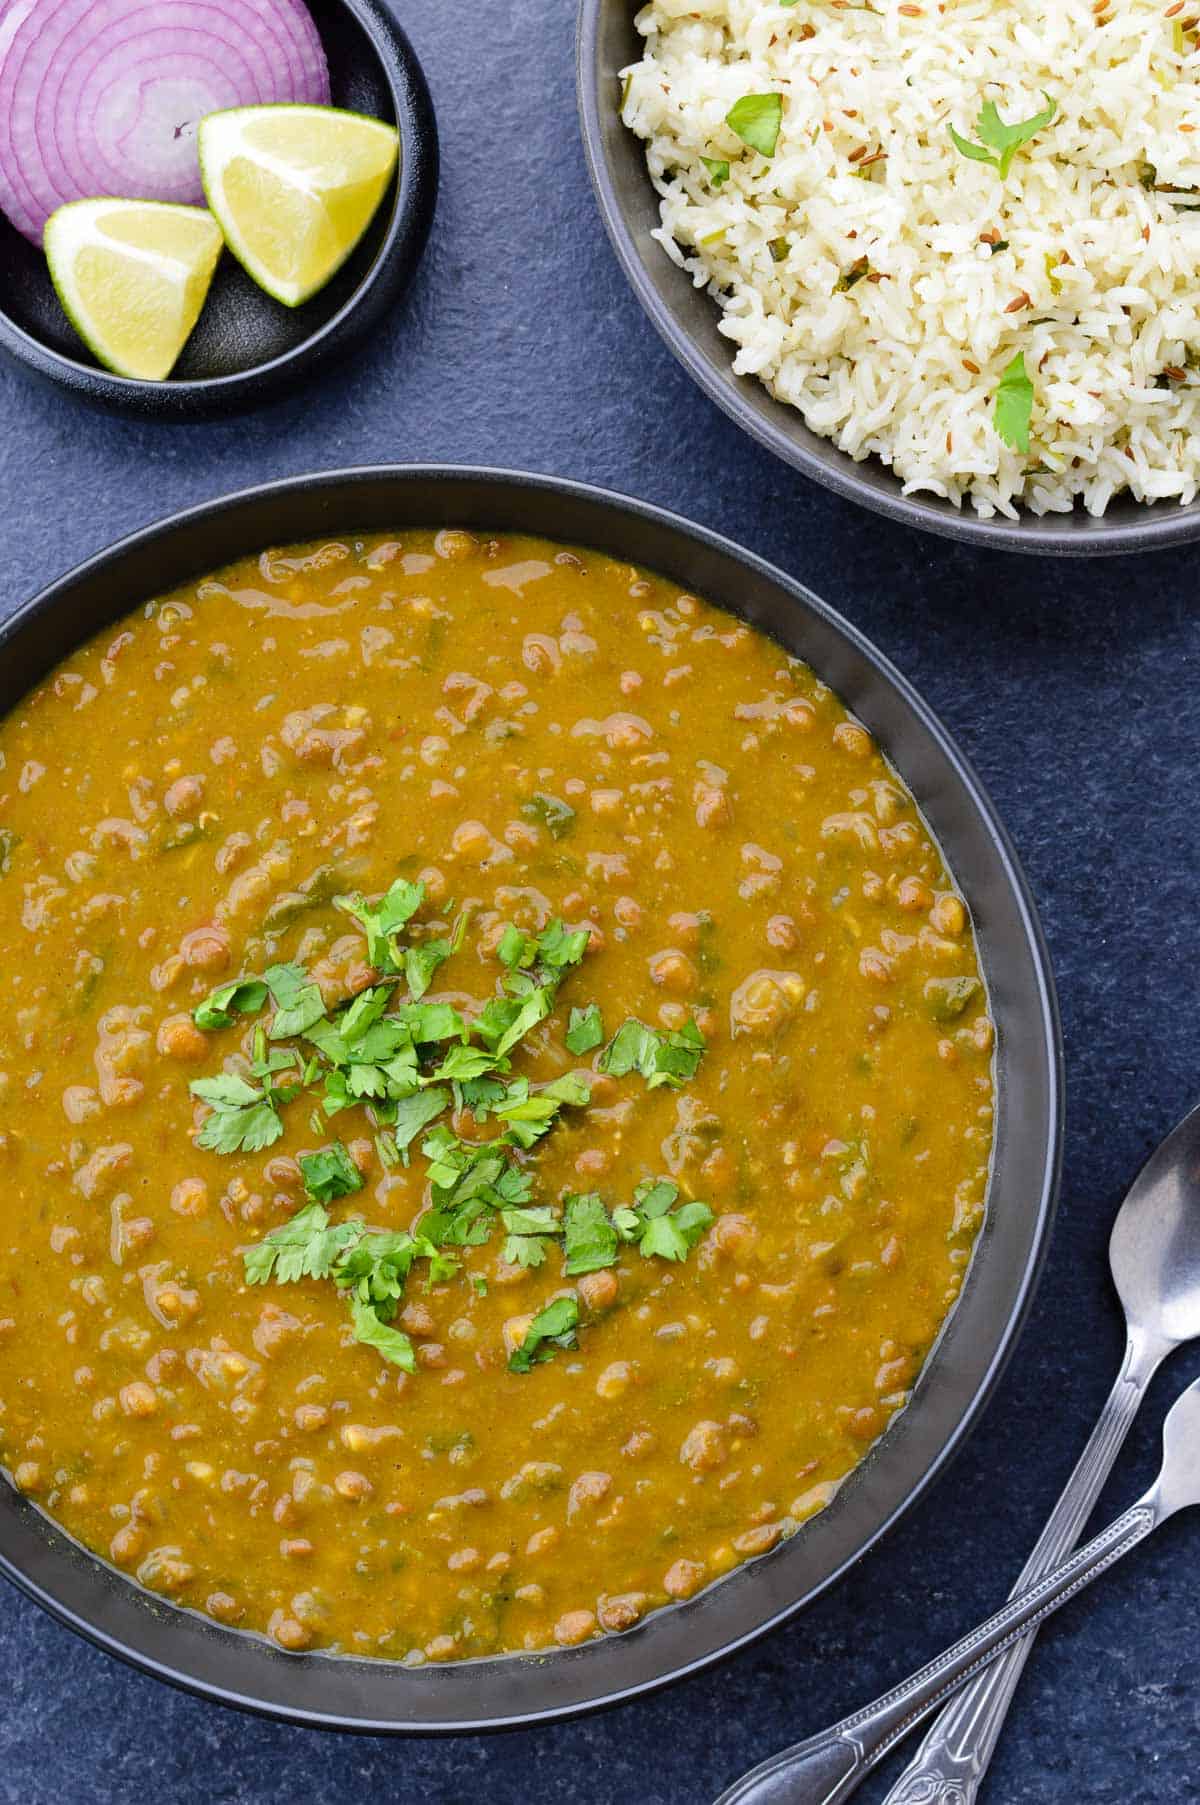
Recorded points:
345,1693
775,426
391,269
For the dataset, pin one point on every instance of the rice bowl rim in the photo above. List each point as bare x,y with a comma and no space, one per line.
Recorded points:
687,320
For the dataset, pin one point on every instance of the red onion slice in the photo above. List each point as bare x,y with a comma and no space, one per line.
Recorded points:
103,96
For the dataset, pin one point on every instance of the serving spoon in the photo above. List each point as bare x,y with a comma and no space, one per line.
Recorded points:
828,1767
1154,1253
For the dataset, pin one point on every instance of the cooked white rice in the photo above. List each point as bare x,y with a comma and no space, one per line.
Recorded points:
1106,258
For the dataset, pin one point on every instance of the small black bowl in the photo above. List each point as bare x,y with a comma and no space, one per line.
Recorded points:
342,1692
687,318
247,347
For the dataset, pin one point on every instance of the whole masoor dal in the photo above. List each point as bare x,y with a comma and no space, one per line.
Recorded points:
181,801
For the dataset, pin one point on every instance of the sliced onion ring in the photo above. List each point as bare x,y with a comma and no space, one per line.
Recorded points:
103,96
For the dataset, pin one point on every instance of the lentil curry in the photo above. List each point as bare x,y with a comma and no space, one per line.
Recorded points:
496,1091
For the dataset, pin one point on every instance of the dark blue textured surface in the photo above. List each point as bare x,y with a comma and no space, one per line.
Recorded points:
1073,687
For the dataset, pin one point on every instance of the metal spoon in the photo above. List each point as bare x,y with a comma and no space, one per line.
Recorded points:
1154,1253
827,1768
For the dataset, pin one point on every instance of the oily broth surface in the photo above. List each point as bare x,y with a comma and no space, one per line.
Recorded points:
179,802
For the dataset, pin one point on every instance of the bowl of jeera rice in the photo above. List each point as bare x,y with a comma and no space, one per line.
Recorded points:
529,1091
945,261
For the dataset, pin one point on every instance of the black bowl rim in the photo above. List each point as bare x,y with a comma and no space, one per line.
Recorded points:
1160,524
494,1694
392,269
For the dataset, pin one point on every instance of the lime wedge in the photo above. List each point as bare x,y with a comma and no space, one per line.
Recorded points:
294,189
132,277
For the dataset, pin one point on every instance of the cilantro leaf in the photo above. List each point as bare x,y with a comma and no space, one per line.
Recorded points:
415,1113
999,143
515,948
534,1008
585,1029
660,1230
242,996
360,1016
420,964
589,1238
530,1114
549,812
1014,405
718,171
527,1231
226,1091
371,1329
299,1004
330,1173
427,1022
560,946
553,1327
662,1056
304,1247
242,1118
382,921
756,118
463,1063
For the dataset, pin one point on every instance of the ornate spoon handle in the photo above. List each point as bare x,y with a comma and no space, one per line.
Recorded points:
827,1768
951,1762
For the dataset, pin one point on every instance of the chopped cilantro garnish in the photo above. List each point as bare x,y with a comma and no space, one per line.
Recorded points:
553,1327
661,1055
415,1113
527,1231
371,1329
515,948
585,1029
382,921
999,143
718,170
530,1114
551,813
589,1238
1014,405
420,964
243,1119
330,1173
298,1002
659,1228
560,946
756,118
305,1247
243,996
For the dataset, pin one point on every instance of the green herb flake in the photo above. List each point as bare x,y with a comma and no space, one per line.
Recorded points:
756,119
589,1239
382,921
585,1029
662,1056
305,1247
1014,405
947,998
554,1327
551,812
330,1173
371,1329
999,143
718,171
243,996
243,1119
299,1004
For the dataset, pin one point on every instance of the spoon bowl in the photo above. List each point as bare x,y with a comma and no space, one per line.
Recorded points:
1154,1250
